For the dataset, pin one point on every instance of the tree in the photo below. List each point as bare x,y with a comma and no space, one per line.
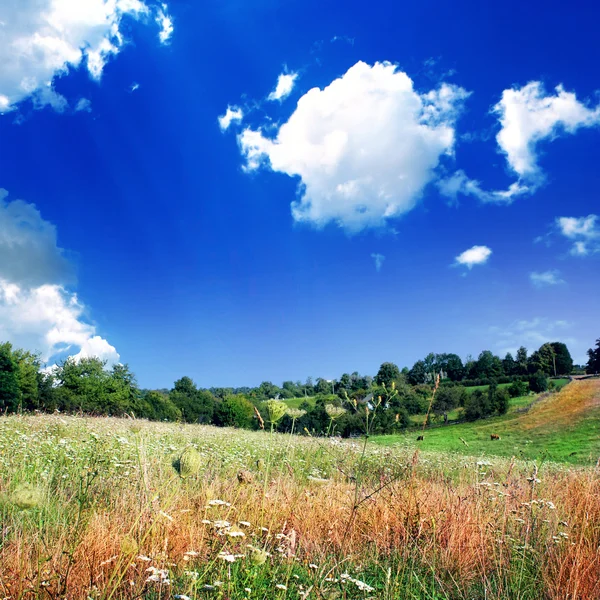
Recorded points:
85,385
388,372
10,395
593,363
562,357
196,406
28,366
418,373
487,366
538,382
235,411
543,360
509,365
521,360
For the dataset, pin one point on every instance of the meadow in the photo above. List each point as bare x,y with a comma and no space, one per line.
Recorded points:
124,508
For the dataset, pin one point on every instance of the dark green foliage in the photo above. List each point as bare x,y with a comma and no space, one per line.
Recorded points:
509,365
563,359
10,395
476,405
521,360
538,382
196,406
388,373
487,365
501,401
517,389
593,363
235,411
28,366
447,398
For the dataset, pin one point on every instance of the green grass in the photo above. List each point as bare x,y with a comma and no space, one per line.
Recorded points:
297,402
529,435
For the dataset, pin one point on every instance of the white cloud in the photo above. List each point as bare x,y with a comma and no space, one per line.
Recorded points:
477,255
528,116
583,231
49,319
459,183
37,311
233,114
29,253
364,147
83,105
165,23
42,39
284,87
378,258
545,278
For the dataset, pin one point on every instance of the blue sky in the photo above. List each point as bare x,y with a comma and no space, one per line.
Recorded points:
417,182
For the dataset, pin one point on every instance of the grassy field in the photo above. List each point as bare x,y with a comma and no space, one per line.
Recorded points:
94,508
564,427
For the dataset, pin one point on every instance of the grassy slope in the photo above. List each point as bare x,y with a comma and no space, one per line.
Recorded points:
565,427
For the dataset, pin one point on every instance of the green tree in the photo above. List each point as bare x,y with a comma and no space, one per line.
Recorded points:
160,406
28,367
10,395
85,385
196,406
538,382
562,358
593,363
521,360
509,364
235,411
388,372
487,365
418,373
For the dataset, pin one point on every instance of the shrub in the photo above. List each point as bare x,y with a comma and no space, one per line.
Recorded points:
538,382
518,388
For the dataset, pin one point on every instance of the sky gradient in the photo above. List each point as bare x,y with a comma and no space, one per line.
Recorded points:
241,192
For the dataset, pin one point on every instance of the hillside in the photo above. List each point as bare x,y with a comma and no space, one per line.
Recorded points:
563,427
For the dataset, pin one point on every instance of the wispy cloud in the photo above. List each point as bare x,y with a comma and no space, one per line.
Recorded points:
531,333
584,232
233,114
545,278
284,87
378,258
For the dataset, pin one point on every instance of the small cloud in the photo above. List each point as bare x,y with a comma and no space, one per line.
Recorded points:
583,231
233,114
83,105
343,38
284,87
545,278
378,258
165,22
477,255
133,87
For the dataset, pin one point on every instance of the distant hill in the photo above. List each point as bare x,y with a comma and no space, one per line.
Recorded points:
563,427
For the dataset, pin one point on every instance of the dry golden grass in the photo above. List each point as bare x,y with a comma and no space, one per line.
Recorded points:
439,524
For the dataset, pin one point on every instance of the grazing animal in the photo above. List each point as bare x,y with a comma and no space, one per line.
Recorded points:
420,438
494,436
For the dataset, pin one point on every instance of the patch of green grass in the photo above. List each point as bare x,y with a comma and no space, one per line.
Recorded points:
575,441
297,402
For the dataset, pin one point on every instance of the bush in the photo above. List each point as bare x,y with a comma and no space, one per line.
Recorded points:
538,382
518,388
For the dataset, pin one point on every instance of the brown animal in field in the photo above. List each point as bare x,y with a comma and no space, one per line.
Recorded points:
494,436
420,438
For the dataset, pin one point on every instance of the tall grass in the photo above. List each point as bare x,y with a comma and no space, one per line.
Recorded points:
92,508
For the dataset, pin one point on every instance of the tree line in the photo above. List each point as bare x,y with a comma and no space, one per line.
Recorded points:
391,397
